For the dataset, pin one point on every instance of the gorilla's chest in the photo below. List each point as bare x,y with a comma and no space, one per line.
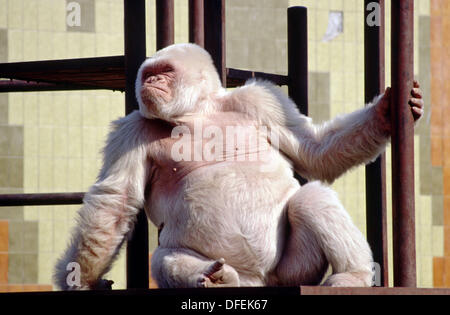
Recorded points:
197,142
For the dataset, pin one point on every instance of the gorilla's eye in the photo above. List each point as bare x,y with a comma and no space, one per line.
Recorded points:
167,68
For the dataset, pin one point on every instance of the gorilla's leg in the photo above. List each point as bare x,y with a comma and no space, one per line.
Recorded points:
184,268
322,231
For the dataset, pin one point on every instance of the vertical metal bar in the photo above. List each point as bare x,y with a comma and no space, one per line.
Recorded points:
214,19
374,64
298,60
164,23
196,22
402,76
135,53
298,57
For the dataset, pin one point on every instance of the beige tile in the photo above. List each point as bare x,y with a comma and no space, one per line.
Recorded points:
46,141
60,178
73,45
88,45
116,16
31,213
89,172
337,50
74,175
3,14
15,111
60,109
31,175
45,174
336,94
45,101
336,5
323,57
31,141
15,14
60,213
61,234
60,142
102,16
46,262
58,15
3,104
45,238
323,4
59,46
352,5
15,45
15,169
89,110
321,23
30,38
45,15
90,149
31,115
30,15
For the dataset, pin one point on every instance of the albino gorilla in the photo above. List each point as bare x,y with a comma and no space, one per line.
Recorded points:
228,218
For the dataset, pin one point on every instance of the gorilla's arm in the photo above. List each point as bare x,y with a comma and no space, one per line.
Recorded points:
110,206
321,152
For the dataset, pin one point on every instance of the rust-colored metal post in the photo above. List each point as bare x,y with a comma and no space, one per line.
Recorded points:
164,23
402,76
196,22
374,69
135,53
298,57
214,19
298,61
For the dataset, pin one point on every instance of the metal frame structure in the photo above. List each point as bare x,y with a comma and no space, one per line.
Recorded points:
207,29
374,60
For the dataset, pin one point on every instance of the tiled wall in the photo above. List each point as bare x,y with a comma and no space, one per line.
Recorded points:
440,131
51,141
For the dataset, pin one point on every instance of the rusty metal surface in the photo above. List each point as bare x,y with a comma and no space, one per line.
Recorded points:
214,19
10,200
135,53
85,73
56,76
402,74
164,23
236,77
298,57
298,61
196,22
30,86
310,290
374,71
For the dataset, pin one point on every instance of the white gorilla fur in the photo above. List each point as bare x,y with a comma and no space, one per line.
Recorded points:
226,226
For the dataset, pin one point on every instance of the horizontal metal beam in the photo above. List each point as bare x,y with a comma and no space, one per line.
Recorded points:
11,200
236,77
8,86
320,290
13,68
